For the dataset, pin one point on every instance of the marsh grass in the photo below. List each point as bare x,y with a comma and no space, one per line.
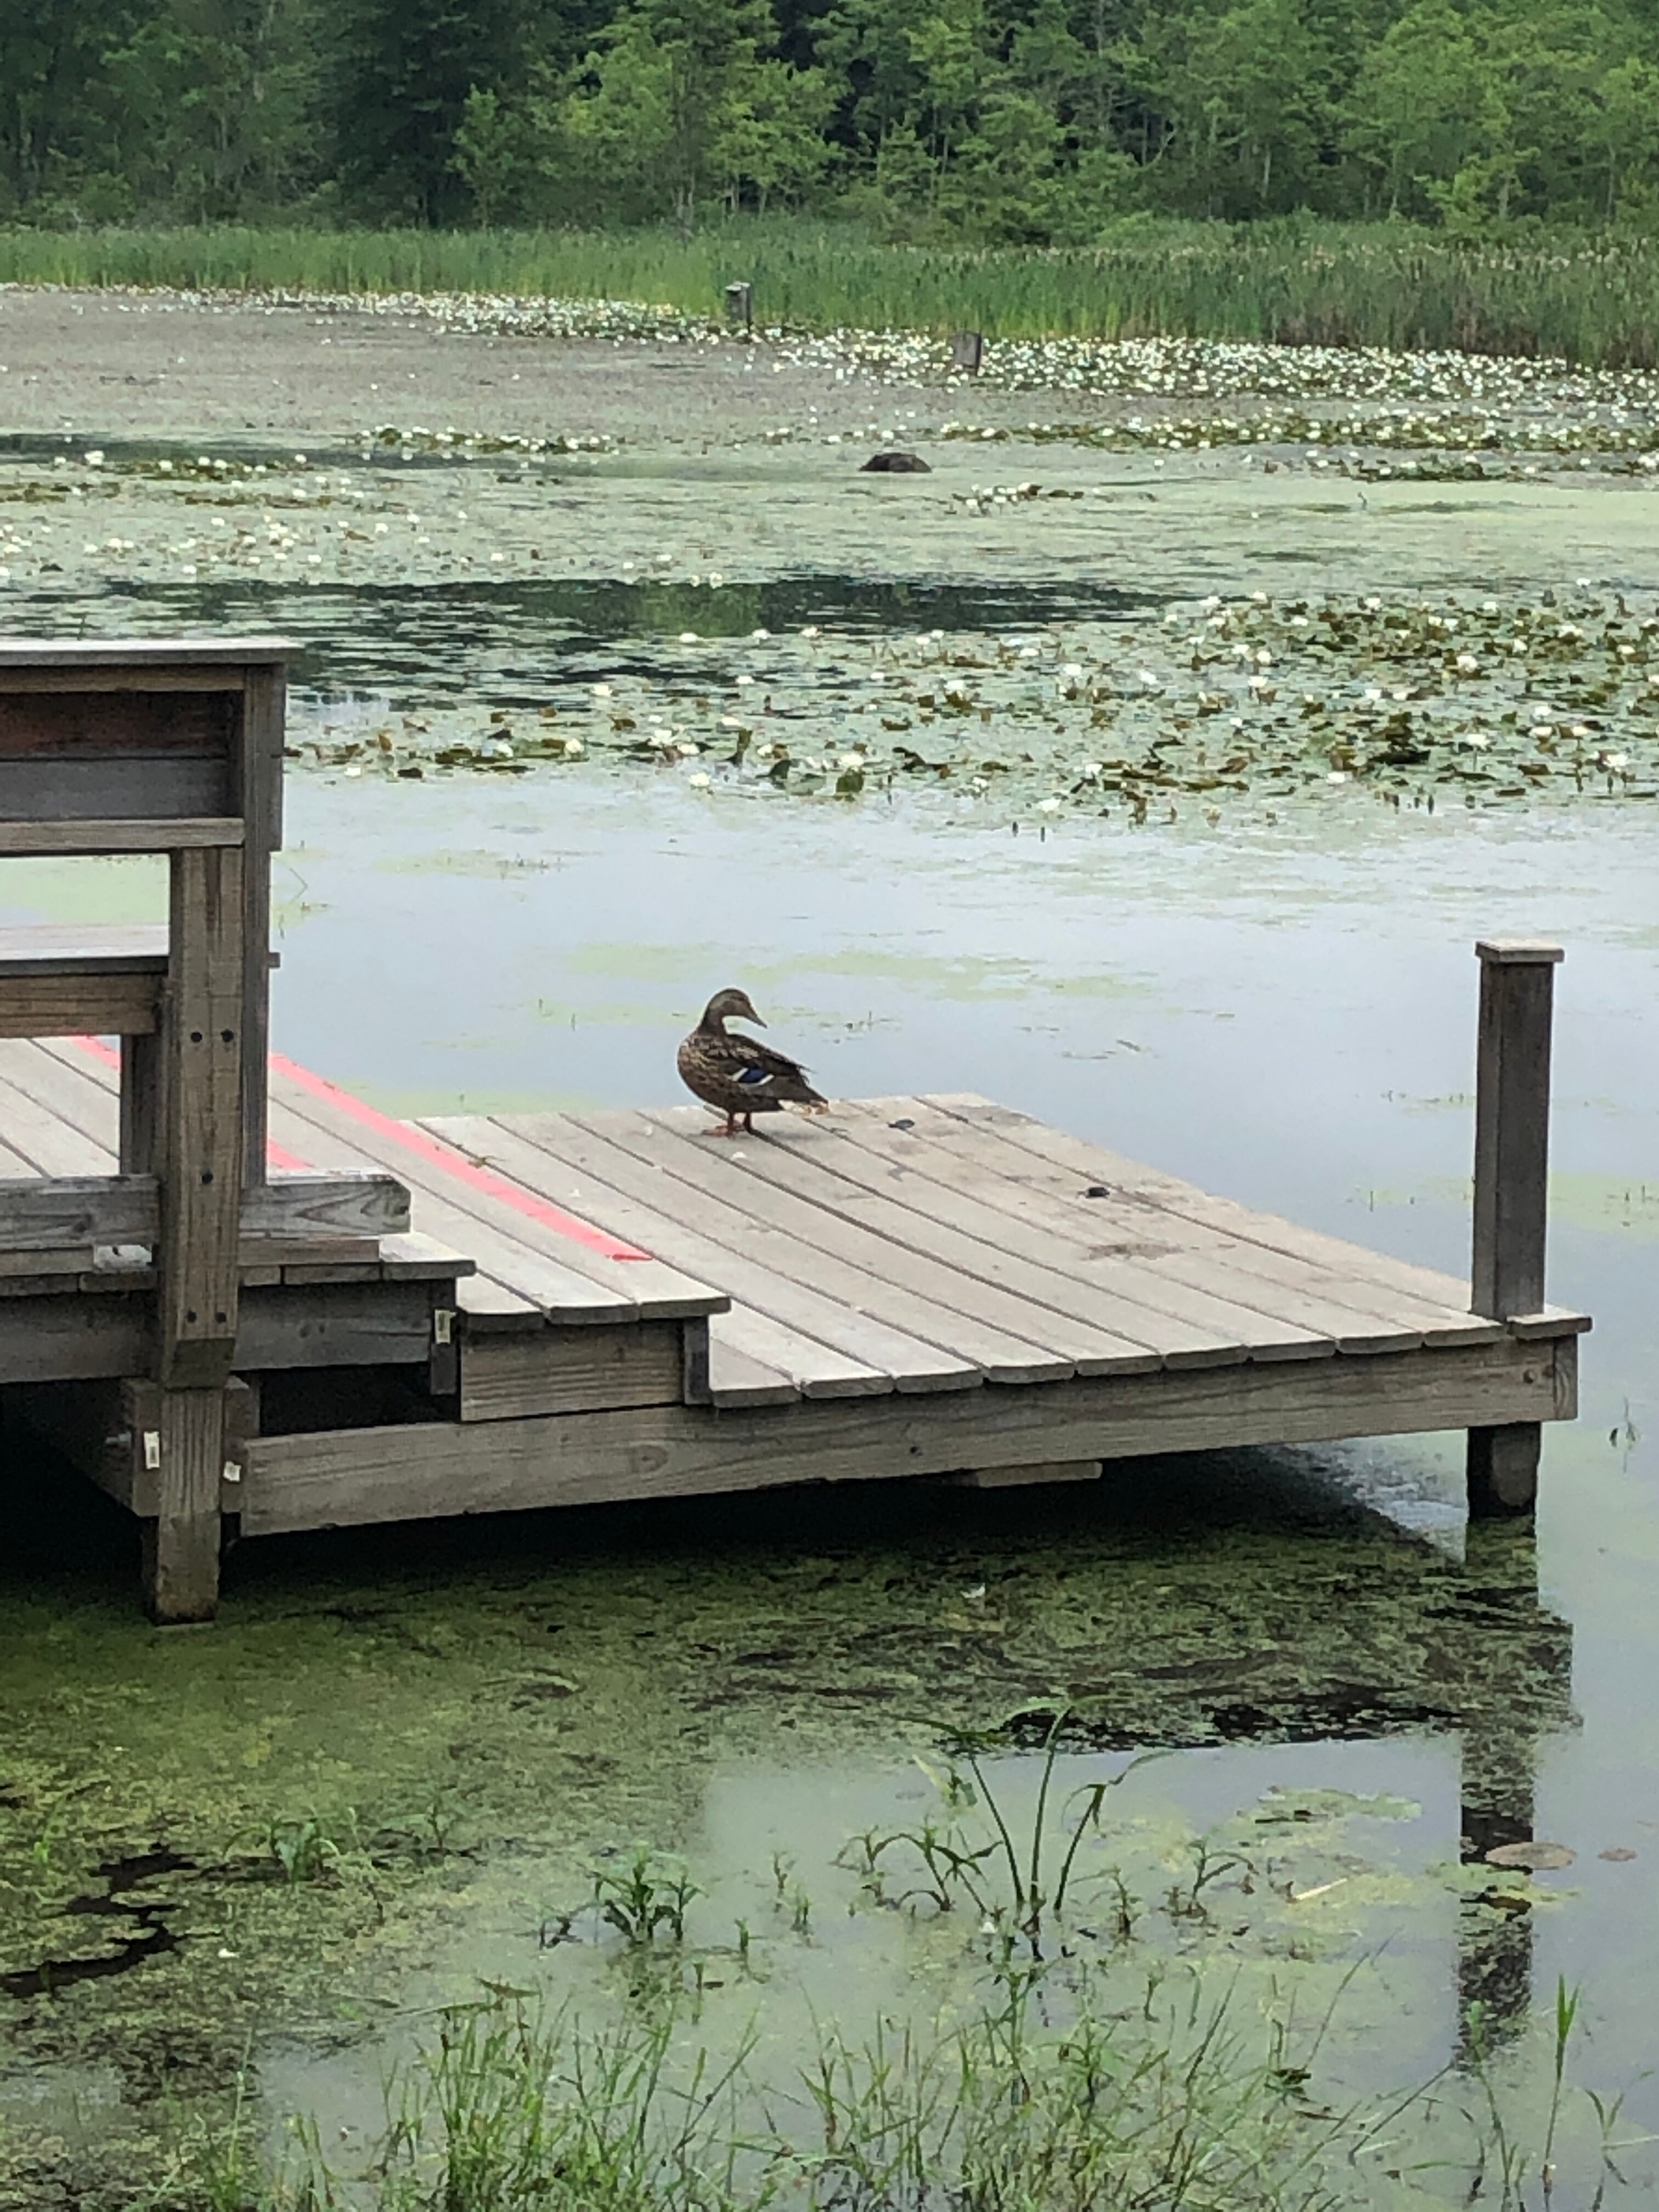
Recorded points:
1594,299
1049,2093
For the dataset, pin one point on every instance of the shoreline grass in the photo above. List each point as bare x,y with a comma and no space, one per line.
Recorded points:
1593,299
1035,2099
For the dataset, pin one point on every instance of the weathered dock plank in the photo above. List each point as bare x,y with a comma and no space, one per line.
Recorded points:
341,1477
581,1283
952,1224
568,1370
1355,1312
1005,1339
1047,1149
822,1336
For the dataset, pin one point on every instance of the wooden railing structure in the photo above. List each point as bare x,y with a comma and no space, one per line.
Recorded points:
174,750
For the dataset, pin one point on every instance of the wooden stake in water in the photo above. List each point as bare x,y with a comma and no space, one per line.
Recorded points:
740,305
967,351
1511,1171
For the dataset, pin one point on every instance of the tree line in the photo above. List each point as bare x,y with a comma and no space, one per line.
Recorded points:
1043,121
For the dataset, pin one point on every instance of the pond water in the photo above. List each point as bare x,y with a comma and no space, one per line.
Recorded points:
461,1724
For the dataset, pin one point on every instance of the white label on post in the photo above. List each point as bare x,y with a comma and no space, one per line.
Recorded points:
152,1450
231,1472
442,1322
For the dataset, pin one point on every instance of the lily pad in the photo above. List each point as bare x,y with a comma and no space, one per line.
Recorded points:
1537,1858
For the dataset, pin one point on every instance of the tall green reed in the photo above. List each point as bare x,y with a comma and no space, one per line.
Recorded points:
1589,298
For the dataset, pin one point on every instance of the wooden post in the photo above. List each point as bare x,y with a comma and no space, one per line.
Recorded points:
740,305
185,1452
141,1115
262,713
197,1253
967,351
1512,1169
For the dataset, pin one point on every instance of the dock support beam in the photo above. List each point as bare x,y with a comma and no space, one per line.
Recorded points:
201,1161
1511,1171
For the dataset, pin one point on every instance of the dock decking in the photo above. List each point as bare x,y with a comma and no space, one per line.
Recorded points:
617,1305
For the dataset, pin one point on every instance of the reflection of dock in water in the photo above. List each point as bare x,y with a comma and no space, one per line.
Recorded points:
1396,1639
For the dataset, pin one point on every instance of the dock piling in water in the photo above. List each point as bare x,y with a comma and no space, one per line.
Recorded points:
1511,1175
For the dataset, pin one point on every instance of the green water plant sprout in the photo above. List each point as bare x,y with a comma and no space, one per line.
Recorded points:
645,1898
1036,1885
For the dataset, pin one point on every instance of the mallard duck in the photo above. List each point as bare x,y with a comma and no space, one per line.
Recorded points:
736,1074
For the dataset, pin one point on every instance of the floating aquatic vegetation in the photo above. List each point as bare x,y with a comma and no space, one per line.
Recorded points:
1253,700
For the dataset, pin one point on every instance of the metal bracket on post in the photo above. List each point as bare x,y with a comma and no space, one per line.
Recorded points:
1511,1184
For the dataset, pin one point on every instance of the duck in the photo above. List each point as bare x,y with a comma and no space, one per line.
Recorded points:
738,1075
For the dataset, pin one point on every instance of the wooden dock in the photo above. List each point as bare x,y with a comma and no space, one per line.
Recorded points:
478,1315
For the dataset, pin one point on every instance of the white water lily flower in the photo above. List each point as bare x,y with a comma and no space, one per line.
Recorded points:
851,760
601,691
700,782
811,630
1478,740
574,748
743,679
1468,664
1337,776
688,637
759,636
1618,763
1048,805
1090,770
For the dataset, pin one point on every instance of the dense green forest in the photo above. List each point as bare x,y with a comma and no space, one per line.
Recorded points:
996,120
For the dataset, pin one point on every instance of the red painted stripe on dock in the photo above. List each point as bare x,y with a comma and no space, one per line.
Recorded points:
438,1154
277,1156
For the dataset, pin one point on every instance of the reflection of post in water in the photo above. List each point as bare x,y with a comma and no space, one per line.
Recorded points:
1500,1736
